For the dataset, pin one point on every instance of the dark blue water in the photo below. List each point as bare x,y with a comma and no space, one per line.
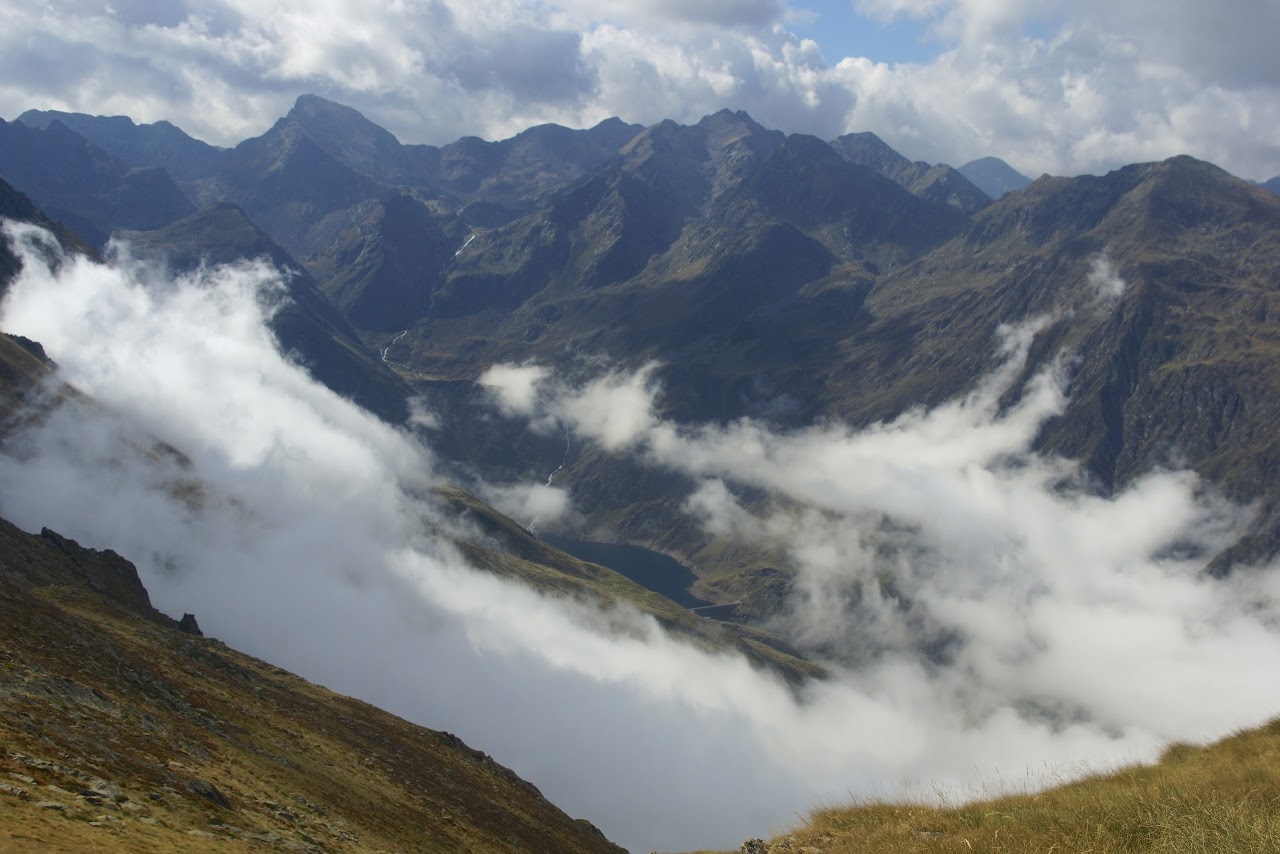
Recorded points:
656,571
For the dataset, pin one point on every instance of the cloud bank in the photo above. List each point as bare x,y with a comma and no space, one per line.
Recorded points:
995,620
1049,86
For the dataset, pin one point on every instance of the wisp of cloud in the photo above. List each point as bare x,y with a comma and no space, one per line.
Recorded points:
986,611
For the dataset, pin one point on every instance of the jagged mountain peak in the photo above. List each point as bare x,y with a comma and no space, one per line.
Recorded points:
723,145
869,150
803,145
328,120
43,118
939,183
83,185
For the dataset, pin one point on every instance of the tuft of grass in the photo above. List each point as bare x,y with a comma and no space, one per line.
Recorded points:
1219,799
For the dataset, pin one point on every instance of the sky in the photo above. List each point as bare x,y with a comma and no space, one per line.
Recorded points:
994,624
1048,85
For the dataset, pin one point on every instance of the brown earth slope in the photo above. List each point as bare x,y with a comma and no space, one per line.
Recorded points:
119,732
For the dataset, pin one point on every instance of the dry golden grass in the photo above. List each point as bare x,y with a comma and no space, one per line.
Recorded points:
1220,799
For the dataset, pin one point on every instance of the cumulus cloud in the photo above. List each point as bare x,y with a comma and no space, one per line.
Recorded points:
1010,619
1054,87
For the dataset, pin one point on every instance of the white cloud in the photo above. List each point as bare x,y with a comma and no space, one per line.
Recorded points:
530,504
615,408
514,386
961,576
1105,281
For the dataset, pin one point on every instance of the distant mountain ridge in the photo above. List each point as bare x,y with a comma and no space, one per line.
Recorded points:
994,176
938,183
82,185
158,144
775,277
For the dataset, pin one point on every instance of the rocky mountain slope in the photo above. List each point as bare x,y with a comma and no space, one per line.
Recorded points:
83,186
306,324
312,330
123,731
1160,279
939,183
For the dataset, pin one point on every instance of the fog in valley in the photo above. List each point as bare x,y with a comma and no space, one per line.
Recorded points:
990,619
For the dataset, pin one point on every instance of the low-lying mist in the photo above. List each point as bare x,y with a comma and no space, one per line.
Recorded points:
993,620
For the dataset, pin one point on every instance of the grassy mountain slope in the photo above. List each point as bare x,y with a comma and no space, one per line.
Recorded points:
123,733
1222,798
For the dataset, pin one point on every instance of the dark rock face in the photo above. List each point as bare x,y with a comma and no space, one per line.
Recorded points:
103,571
208,791
307,325
159,144
387,263
84,186
188,625
32,347
939,183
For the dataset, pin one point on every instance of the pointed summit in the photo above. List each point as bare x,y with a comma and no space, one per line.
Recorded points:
345,134
938,183
994,176
868,149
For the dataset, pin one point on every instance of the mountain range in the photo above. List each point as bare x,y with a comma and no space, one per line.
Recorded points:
754,277
766,274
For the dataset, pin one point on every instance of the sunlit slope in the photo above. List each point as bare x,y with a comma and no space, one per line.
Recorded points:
121,733
1224,798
